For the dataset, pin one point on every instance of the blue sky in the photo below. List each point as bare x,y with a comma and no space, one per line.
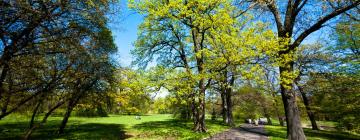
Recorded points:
124,29
124,23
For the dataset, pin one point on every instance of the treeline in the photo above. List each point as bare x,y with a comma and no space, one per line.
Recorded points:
54,54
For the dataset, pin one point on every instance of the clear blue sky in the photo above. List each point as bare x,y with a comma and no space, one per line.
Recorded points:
124,23
124,29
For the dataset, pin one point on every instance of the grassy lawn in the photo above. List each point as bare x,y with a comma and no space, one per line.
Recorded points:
159,126
277,132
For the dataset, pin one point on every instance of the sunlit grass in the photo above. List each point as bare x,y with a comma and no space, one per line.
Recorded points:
277,132
157,126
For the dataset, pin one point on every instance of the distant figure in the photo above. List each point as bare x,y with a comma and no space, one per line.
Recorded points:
249,121
263,121
256,122
138,117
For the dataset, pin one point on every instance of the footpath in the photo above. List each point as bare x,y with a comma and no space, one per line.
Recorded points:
244,132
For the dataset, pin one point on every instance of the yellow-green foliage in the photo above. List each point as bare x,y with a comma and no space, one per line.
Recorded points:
207,30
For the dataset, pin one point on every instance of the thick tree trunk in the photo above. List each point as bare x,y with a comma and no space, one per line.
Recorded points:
229,114
293,122
200,115
194,111
226,92
198,41
202,126
224,107
309,111
200,121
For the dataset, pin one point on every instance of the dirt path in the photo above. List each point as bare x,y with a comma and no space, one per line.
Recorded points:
245,132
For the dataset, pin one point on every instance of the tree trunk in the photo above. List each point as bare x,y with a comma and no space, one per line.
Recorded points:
188,111
229,114
194,110
225,93
309,112
224,107
33,127
200,115
66,118
6,104
72,103
4,114
3,74
34,114
293,122
202,127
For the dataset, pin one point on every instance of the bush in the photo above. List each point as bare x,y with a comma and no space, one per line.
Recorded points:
350,123
90,112
59,113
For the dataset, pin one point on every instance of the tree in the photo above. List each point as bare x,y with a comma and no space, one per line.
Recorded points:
310,58
335,96
92,72
52,52
289,20
198,39
346,49
37,31
176,30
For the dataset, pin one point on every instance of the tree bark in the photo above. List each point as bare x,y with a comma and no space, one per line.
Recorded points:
4,72
229,114
34,114
198,39
225,92
194,112
293,122
200,115
72,103
22,102
66,118
309,111
33,127
224,106
6,104
285,30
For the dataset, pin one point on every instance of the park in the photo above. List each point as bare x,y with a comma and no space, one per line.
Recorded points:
180,69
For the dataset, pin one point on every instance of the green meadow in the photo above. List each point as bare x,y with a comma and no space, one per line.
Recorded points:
156,126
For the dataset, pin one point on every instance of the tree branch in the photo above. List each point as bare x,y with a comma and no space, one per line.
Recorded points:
321,21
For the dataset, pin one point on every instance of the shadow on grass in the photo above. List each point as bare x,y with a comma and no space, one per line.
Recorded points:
72,131
172,129
279,132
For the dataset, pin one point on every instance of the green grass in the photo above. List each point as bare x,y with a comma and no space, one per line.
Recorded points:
159,126
277,132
